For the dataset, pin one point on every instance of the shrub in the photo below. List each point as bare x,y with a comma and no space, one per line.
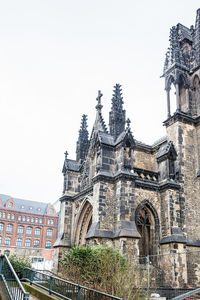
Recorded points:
19,263
102,268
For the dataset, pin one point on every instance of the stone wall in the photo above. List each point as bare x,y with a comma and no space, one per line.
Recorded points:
184,137
145,160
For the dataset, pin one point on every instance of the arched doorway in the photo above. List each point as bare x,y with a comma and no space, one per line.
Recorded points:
83,223
148,226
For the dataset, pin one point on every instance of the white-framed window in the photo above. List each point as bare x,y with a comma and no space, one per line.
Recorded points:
28,219
24,218
37,231
9,228
19,218
1,226
7,241
36,220
48,244
19,242
0,214
49,222
0,240
13,216
27,243
49,232
40,220
8,216
4,215
36,243
32,219
29,230
52,221
20,229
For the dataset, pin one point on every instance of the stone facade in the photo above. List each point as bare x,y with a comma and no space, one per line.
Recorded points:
142,199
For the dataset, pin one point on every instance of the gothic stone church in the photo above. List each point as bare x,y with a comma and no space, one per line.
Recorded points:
141,199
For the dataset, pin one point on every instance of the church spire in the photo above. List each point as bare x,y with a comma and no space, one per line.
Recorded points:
99,124
82,143
117,114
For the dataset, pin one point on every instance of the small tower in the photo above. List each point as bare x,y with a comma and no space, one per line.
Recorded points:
181,68
82,143
117,114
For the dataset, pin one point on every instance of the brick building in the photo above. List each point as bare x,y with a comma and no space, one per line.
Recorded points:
27,227
142,199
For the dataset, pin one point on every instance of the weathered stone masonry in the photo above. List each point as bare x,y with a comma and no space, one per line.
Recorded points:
142,199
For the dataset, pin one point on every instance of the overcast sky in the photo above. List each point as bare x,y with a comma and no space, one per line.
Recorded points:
54,57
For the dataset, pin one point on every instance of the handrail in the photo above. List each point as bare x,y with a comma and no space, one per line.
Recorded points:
186,295
64,288
13,284
14,273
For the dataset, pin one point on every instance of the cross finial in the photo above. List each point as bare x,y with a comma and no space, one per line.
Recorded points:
128,122
66,153
99,106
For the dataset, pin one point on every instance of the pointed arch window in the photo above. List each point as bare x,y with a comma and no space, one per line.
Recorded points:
148,226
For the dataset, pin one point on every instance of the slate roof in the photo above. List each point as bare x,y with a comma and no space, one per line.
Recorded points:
165,149
72,165
39,208
184,32
108,139
160,141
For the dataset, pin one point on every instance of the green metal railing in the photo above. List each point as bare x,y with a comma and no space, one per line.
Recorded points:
11,281
190,295
63,288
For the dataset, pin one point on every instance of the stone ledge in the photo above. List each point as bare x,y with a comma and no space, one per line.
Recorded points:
174,238
126,229
182,117
194,243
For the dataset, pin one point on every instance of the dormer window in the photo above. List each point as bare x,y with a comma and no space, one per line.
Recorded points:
10,204
30,207
51,211
39,209
22,206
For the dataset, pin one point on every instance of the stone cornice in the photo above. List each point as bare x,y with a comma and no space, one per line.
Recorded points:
183,118
139,183
84,192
